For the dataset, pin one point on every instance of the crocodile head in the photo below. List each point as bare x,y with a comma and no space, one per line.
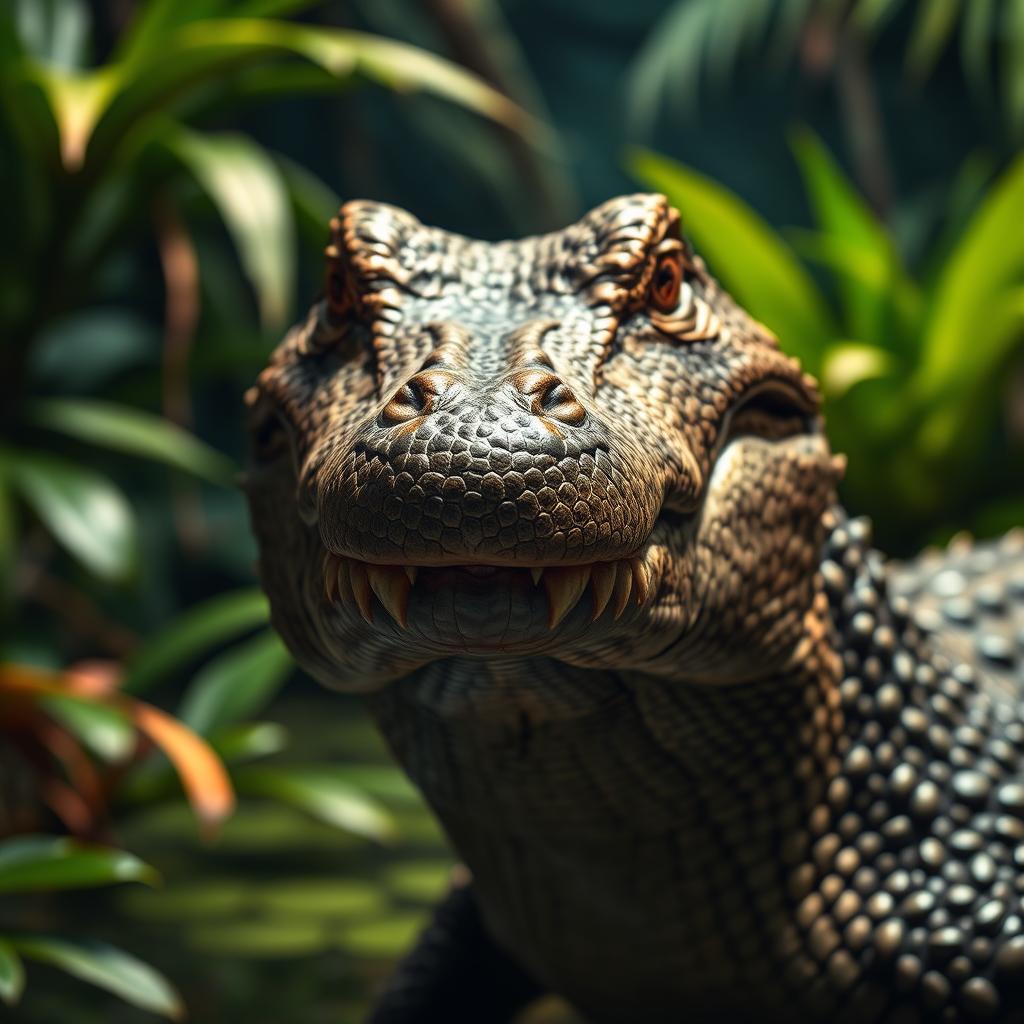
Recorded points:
573,446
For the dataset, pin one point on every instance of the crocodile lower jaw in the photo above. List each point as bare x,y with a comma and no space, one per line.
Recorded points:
354,584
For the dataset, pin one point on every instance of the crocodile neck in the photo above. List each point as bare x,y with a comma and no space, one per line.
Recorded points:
635,807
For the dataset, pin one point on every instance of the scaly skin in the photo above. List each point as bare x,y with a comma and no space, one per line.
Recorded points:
566,515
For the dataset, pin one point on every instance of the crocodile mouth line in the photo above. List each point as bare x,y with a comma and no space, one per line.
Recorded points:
352,583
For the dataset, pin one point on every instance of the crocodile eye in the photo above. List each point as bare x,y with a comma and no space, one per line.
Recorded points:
666,282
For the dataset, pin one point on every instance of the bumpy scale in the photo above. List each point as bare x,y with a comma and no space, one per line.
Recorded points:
566,515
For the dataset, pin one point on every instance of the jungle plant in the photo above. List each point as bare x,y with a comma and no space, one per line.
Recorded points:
35,864
706,37
68,738
913,365
93,158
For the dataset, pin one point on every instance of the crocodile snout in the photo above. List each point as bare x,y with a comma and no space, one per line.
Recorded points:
506,464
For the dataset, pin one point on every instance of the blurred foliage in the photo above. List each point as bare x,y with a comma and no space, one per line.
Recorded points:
95,159
911,365
163,167
700,41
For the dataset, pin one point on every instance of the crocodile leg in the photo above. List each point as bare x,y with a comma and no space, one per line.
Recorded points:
455,973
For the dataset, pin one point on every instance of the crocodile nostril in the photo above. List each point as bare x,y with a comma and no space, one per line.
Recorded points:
557,402
407,403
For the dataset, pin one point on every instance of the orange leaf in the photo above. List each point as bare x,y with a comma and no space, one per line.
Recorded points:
202,773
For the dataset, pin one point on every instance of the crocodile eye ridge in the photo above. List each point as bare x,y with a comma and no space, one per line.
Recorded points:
666,282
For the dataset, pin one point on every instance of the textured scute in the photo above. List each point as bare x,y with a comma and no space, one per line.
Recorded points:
484,481
780,780
844,842
970,597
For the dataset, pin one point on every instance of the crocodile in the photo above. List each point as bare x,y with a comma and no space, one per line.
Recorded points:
566,516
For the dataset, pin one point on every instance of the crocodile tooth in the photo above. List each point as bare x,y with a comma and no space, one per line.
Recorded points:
565,585
360,581
330,577
641,580
410,571
602,582
343,582
537,572
391,585
623,585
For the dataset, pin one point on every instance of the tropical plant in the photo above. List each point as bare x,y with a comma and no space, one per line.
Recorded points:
912,364
707,38
91,155
34,864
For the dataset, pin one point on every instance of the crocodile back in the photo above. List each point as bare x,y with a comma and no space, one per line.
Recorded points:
970,598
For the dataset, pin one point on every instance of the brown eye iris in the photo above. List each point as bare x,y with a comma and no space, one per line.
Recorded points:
339,298
666,283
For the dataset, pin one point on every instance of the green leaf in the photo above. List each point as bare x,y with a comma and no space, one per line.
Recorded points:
324,793
123,429
55,32
844,216
83,351
33,863
108,968
12,973
848,363
203,626
235,684
752,260
971,320
197,53
106,731
249,740
82,509
933,26
250,194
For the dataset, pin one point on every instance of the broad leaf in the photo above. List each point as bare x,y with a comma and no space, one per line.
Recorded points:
35,863
198,52
754,263
84,350
108,968
971,322
124,429
12,973
83,510
324,793
249,193
842,215
105,730
236,684
209,623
